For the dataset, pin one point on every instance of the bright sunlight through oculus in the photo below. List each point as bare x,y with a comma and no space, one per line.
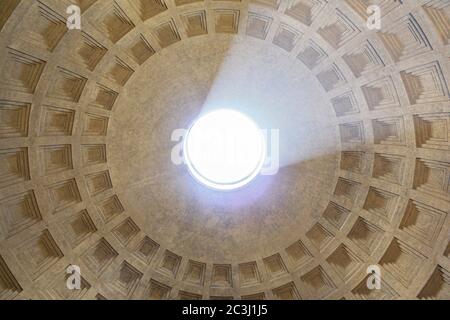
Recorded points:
224,149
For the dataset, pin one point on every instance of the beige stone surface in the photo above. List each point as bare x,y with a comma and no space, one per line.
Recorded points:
86,119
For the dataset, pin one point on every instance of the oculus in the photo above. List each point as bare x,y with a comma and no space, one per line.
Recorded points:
224,149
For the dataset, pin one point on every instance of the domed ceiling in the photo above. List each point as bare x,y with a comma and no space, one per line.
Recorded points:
87,122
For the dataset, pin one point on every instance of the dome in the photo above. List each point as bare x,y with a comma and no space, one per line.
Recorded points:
357,171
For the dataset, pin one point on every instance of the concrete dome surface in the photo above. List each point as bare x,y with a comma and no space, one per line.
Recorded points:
360,116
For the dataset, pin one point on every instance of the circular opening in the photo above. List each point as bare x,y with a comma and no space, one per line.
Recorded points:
224,149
